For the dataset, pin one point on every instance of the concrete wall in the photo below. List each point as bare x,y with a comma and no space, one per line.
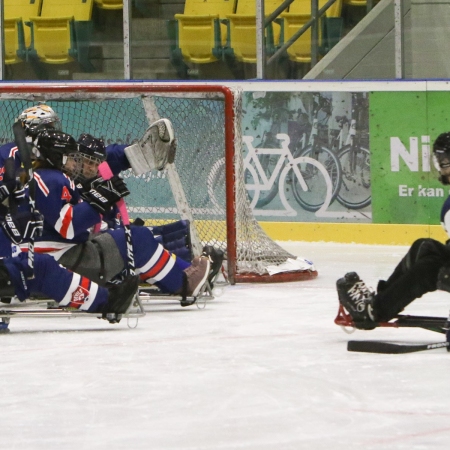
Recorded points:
367,51
430,38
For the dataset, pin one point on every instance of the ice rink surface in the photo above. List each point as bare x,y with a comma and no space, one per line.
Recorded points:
263,367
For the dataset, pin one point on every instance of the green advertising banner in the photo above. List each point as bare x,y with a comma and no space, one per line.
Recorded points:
403,126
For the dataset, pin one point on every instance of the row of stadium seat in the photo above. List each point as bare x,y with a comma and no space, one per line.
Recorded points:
211,30
50,31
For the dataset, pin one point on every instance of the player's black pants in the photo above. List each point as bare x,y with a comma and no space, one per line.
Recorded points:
415,275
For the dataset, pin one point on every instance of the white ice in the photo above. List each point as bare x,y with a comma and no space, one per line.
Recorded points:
263,367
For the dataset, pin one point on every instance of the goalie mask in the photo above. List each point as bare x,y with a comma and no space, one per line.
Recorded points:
91,152
441,157
55,147
37,118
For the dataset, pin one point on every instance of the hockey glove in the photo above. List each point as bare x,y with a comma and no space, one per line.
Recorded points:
103,194
23,226
16,188
4,193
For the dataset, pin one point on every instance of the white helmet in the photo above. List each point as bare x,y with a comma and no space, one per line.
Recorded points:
36,116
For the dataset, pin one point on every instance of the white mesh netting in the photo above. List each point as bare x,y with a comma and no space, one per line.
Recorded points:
196,189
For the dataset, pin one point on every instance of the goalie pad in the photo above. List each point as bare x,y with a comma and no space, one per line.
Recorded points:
176,238
154,150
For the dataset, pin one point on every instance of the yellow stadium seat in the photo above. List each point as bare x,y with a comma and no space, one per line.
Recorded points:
14,41
80,9
241,41
358,2
109,4
299,14
52,39
62,32
199,33
300,50
24,9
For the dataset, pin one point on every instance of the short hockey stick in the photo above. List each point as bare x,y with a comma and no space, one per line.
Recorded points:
25,156
391,347
105,172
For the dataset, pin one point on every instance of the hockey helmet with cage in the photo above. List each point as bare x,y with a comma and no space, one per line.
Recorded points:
441,157
55,146
37,117
91,152
91,146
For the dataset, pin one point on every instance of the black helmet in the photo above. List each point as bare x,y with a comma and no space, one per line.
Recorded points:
91,152
441,155
54,146
91,146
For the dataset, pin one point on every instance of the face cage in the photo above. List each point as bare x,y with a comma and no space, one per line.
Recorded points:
80,167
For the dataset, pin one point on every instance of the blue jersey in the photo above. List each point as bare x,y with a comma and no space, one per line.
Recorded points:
68,221
67,218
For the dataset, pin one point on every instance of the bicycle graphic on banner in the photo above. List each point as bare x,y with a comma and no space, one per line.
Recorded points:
307,177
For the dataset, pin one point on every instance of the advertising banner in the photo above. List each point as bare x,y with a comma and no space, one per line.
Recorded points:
307,156
403,126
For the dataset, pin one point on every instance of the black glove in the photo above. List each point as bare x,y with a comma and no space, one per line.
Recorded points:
4,193
19,193
103,194
23,226
11,184
17,190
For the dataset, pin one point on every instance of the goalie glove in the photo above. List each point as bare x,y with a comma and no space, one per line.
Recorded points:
154,150
23,226
103,194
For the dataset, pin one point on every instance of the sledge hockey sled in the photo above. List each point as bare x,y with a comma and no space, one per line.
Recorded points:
48,308
431,323
142,303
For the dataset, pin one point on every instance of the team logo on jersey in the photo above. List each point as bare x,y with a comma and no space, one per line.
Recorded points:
66,194
79,297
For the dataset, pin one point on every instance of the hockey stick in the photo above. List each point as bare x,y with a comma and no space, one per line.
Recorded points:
105,172
25,156
391,347
8,176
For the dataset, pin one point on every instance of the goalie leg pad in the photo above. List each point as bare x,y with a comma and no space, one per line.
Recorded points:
179,225
176,238
154,150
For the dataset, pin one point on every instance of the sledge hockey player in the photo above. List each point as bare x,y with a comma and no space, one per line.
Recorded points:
50,279
424,268
67,220
66,287
32,119
154,150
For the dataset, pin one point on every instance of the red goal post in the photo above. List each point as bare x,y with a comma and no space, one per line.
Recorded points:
205,185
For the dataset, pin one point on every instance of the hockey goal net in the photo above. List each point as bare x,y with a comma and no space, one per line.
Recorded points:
205,185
